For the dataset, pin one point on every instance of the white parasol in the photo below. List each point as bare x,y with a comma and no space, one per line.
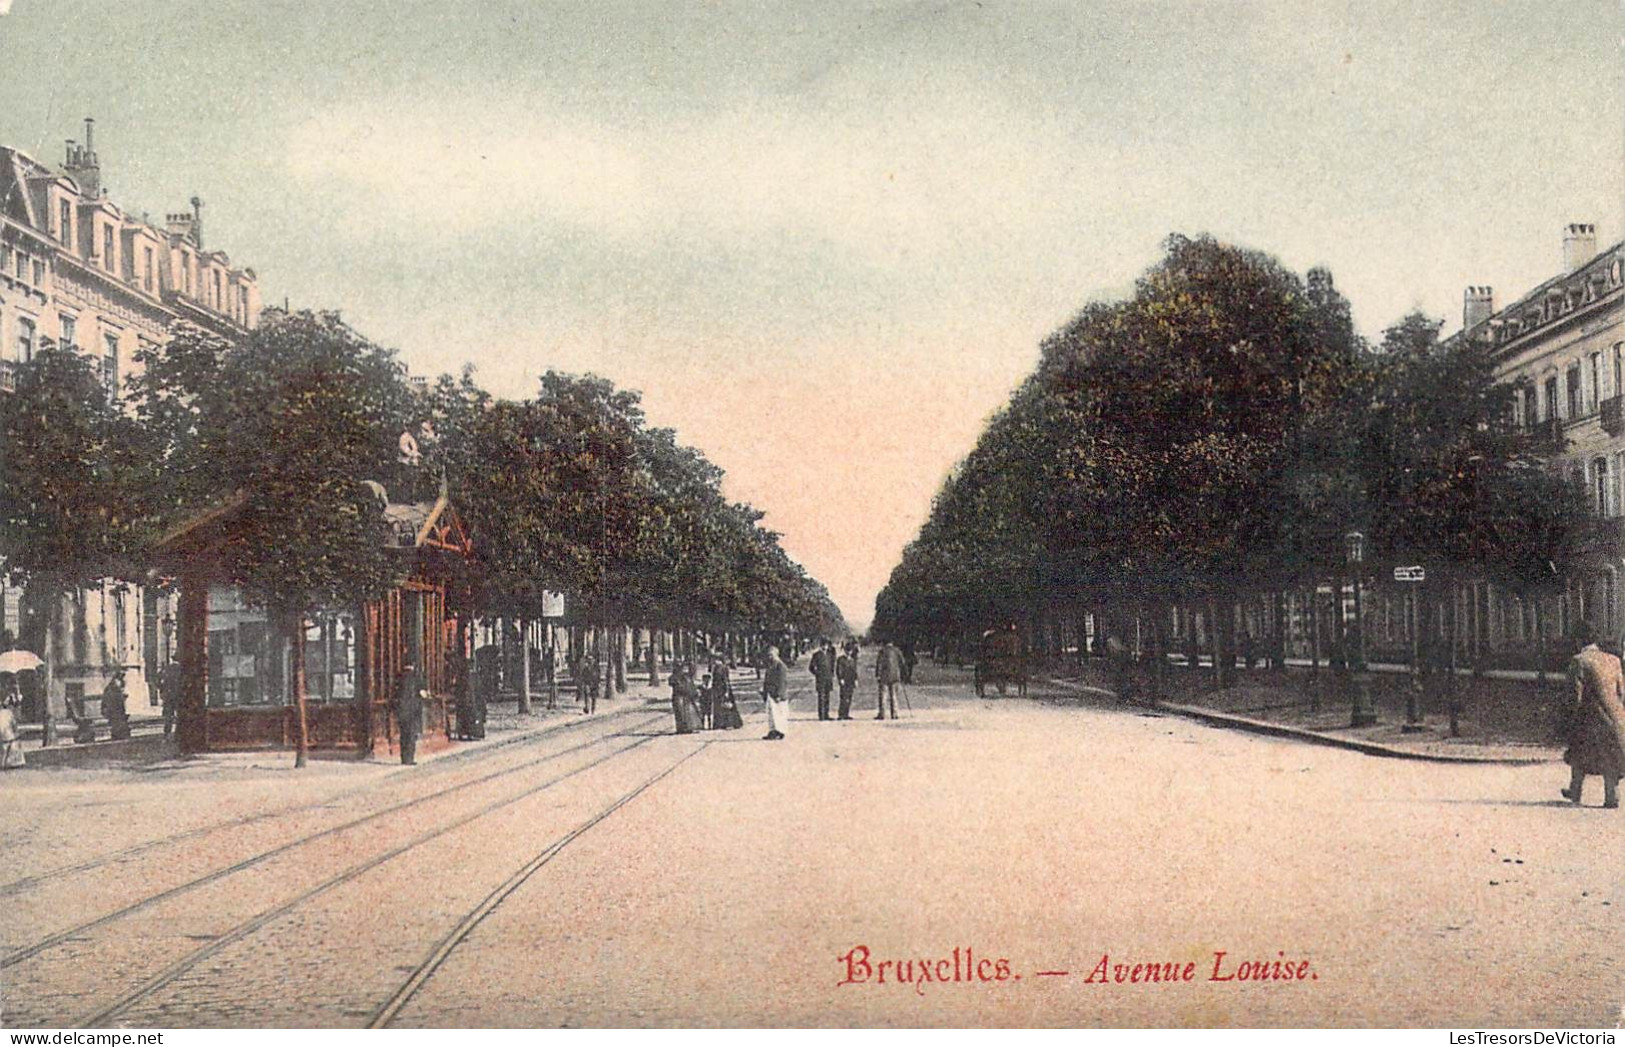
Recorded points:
19,662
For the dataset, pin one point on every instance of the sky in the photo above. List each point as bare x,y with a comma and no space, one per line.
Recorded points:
824,240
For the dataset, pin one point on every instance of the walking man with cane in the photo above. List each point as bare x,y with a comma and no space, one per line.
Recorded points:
888,672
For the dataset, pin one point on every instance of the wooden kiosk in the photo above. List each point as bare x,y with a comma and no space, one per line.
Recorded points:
236,664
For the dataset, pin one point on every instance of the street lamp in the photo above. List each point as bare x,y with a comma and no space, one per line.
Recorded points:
1353,557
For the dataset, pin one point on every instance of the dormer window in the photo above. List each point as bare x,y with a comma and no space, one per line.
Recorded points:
107,248
146,268
64,225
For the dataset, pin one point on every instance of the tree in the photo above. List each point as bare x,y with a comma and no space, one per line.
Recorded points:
71,486
292,419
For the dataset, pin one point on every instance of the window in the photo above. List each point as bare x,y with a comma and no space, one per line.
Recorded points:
219,300
1594,393
110,363
25,339
1575,399
22,267
39,272
69,330
1599,486
186,272
1551,399
146,268
107,248
5,263
64,227
1619,369
1615,501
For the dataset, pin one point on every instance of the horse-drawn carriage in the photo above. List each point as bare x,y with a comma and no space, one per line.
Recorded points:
1001,661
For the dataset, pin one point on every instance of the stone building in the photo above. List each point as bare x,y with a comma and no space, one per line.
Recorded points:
76,268
1562,348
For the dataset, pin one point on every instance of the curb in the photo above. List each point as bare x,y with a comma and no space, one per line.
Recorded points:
1303,734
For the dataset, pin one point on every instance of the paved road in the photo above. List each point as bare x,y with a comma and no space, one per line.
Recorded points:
609,872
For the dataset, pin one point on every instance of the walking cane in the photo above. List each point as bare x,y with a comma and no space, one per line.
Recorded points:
906,703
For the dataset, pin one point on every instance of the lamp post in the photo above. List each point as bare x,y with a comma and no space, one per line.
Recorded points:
1363,714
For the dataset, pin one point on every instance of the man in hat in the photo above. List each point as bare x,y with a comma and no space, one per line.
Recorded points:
846,674
888,673
409,712
822,667
1596,719
775,677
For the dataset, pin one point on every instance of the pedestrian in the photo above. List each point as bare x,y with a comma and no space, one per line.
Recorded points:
1596,719
724,709
169,693
888,673
822,667
409,712
115,707
685,699
846,674
11,744
775,677
910,659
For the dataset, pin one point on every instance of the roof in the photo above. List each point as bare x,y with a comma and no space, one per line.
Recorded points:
1572,293
413,525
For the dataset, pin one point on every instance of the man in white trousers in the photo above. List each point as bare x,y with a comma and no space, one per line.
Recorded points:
774,679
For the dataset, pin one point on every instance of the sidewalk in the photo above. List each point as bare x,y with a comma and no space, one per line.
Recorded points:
1330,726
148,750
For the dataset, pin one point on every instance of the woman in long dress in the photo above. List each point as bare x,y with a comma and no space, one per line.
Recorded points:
11,746
685,700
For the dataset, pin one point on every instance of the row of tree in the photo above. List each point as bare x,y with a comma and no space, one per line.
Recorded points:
568,490
1215,437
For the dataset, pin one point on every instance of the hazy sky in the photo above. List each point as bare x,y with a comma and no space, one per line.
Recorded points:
824,239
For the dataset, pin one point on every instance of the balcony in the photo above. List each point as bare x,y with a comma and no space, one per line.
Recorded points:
8,376
1613,415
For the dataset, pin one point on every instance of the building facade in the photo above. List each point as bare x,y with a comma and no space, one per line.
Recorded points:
1561,346
76,269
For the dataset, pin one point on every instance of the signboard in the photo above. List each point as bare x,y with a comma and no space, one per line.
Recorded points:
552,605
1410,574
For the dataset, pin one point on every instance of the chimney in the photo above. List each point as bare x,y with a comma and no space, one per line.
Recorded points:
1477,305
197,222
82,165
180,223
1579,245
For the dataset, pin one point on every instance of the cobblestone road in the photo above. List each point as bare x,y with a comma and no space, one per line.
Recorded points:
1048,833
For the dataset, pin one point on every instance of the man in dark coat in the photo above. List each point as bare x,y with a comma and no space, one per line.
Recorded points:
409,712
846,674
1596,720
169,693
822,667
775,693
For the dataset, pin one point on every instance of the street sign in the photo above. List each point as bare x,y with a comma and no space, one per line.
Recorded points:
1410,574
552,605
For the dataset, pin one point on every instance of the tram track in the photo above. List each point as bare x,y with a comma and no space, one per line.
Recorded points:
108,1013
438,766
391,1008
80,930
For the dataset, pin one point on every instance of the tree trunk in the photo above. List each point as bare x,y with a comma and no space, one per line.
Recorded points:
53,615
524,667
1314,647
618,658
302,728
1450,669
1540,644
1278,633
